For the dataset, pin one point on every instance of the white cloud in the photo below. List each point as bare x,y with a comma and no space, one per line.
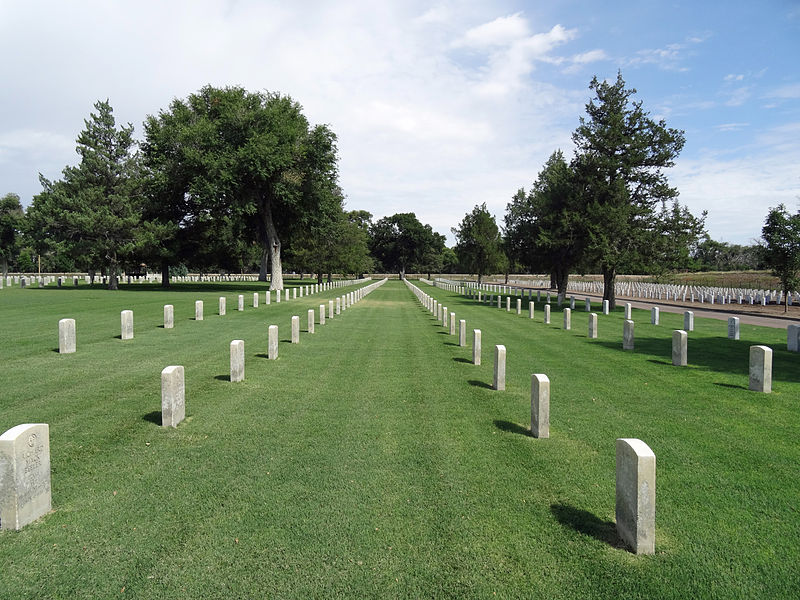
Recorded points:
502,31
786,92
731,126
738,96
733,77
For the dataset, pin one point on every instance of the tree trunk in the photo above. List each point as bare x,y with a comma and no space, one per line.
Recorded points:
506,282
113,279
609,281
319,277
263,268
561,280
5,269
273,246
164,273
479,278
330,277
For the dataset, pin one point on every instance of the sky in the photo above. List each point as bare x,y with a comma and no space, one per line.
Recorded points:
438,106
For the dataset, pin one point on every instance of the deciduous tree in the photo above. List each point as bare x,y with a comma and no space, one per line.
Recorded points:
11,217
781,249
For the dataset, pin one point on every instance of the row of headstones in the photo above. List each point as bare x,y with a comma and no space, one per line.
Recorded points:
635,505
67,329
25,449
173,402
45,280
642,290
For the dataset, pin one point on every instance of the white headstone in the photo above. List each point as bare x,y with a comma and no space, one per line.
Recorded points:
636,495
198,310
792,333
126,324
462,333
322,314
311,320
627,311
476,346
173,399
654,315
567,318
540,406
530,309
272,347
547,314
761,369
592,326
295,329
605,307
680,355
499,367
24,475
237,360
627,335
733,328
169,316
66,336
223,303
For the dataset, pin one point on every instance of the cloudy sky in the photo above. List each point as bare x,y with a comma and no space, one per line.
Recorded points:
438,106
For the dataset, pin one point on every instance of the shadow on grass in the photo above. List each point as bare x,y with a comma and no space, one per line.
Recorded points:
262,355
451,344
153,417
733,386
222,377
657,361
510,427
586,523
481,384
462,360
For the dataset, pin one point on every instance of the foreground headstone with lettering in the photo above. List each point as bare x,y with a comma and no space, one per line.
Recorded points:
173,398
540,406
761,369
66,336
499,367
169,316
636,495
237,360
24,475
680,354
126,324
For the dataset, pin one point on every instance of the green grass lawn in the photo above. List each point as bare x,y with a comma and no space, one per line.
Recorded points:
373,460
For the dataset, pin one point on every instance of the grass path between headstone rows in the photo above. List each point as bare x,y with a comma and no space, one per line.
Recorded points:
373,460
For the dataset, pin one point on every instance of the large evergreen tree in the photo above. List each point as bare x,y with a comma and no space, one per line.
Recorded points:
94,212
478,242
621,154
543,228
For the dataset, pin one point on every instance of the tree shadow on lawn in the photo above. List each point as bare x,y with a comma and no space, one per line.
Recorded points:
713,353
153,417
587,523
510,427
481,384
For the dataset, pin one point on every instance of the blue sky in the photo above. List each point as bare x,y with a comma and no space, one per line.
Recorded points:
438,106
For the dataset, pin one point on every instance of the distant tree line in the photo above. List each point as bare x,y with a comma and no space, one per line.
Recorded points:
232,181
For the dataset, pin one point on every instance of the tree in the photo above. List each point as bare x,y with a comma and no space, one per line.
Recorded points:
400,243
478,243
620,154
781,248
247,156
11,216
543,227
677,235
93,214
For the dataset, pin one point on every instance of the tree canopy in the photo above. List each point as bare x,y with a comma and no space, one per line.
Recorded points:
249,156
478,242
400,243
781,249
11,218
620,156
93,213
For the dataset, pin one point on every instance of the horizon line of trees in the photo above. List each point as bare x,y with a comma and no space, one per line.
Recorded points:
228,180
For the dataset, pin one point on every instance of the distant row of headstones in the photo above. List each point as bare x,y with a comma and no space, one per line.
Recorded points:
25,449
67,340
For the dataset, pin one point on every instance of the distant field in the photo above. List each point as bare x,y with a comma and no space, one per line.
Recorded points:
372,459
